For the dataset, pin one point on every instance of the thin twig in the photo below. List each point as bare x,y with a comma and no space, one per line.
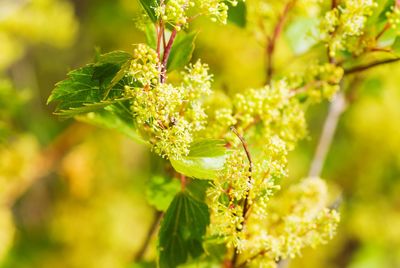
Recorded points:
261,253
153,228
384,29
365,67
337,107
246,205
245,147
183,182
273,39
380,49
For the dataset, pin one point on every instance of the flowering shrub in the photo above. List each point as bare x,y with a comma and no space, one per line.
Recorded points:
231,159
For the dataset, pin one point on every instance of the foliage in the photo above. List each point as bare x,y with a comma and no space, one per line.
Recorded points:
171,117
182,230
219,175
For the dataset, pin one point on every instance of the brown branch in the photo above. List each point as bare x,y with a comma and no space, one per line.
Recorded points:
385,28
365,67
302,89
153,228
245,147
380,49
261,253
273,39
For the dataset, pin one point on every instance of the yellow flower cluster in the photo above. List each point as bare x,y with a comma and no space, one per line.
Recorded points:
268,229
260,227
144,68
344,22
262,113
274,110
393,17
296,218
236,183
168,115
226,198
318,82
176,12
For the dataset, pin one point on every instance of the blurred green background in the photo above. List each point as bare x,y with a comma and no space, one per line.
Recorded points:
72,195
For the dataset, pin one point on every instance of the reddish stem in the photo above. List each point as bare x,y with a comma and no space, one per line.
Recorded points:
167,52
163,39
379,35
273,39
183,182
378,49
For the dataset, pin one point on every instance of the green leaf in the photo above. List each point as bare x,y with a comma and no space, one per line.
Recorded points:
151,35
388,38
110,68
197,189
87,108
207,148
182,230
205,159
161,191
77,89
149,6
237,14
300,34
181,51
396,46
117,58
215,247
85,88
113,117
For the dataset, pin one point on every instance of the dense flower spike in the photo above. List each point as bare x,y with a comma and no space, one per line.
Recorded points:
273,109
344,22
294,219
319,82
169,114
255,225
177,12
275,227
144,66
226,195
